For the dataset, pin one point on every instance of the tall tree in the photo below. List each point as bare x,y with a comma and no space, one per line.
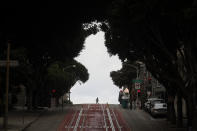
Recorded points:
155,32
63,75
124,78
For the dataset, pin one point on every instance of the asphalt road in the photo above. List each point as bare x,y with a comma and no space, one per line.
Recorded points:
136,120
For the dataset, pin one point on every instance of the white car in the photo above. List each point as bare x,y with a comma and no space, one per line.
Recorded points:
158,107
147,104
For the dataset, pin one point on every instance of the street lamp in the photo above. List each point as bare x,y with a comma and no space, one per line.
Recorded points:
70,66
137,67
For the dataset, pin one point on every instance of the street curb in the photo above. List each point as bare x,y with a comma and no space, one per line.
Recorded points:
28,125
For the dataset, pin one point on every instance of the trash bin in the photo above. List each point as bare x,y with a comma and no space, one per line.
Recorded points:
125,98
125,103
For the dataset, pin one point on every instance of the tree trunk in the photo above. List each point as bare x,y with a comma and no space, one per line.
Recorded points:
195,109
195,120
143,97
57,101
34,100
191,113
130,98
179,110
173,115
170,110
29,100
131,105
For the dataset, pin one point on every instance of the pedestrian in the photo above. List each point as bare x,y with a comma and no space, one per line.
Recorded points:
120,96
97,100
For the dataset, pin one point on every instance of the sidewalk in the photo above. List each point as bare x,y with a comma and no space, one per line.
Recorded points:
19,119
139,120
50,120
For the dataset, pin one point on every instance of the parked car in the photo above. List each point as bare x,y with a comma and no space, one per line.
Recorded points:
147,104
158,107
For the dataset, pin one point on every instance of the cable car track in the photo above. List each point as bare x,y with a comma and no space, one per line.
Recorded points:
94,117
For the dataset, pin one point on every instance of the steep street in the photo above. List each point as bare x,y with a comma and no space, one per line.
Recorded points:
93,117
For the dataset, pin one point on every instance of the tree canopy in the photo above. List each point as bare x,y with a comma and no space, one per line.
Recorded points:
154,32
160,33
62,76
125,75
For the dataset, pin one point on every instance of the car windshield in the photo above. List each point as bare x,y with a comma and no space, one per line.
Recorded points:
158,101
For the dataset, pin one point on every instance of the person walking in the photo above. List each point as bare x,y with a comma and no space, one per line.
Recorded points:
97,100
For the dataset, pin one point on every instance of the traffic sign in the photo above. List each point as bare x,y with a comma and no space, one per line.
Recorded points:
137,81
13,63
137,86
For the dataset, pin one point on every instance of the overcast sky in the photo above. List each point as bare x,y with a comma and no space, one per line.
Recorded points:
99,64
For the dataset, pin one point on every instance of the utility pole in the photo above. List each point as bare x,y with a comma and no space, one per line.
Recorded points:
7,88
7,63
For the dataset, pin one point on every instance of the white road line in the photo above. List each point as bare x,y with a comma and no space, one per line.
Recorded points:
72,120
110,119
84,118
116,120
78,119
104,118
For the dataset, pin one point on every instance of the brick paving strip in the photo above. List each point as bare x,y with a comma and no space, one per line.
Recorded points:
94,117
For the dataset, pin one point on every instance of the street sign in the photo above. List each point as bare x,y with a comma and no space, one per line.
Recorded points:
137,86
13,63
137,81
